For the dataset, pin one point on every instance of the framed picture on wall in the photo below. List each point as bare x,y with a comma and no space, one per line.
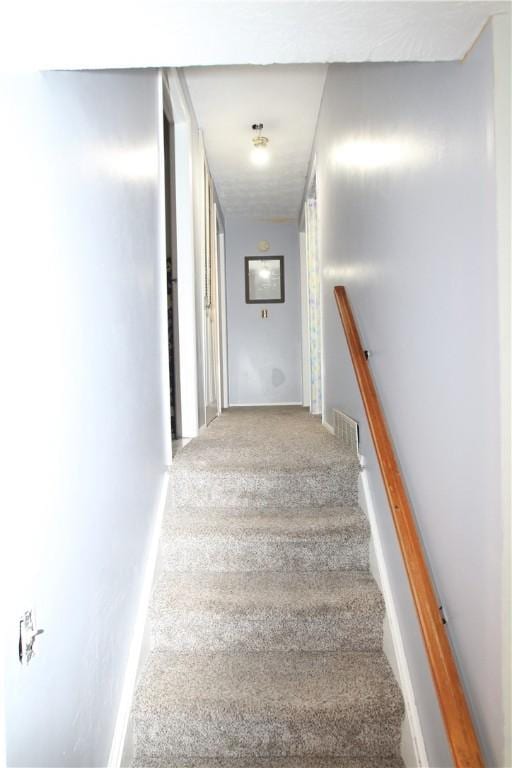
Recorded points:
264,279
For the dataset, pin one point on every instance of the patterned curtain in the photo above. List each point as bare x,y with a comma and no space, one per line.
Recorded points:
313,261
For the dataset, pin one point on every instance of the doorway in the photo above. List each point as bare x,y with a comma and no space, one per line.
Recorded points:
172,276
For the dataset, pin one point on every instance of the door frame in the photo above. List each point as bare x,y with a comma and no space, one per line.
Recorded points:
170,243
310,191
185,253
211,291
219,314
162,273
304,307
221,245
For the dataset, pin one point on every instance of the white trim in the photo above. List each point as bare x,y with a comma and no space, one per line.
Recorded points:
414,753
119,750
312,180
501,39
218,311
304,301
203,213
185,256
172,214
223,319
162,277
261,405
180,443
319,246
413,750
3,741
327,426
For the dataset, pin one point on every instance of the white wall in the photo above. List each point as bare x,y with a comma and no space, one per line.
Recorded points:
264,356
406,196
87,405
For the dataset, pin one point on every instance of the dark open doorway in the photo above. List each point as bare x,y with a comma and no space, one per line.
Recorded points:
172,277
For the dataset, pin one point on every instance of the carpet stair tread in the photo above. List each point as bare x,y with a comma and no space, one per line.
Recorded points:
324,610
270,704
271,762
313,539
265,622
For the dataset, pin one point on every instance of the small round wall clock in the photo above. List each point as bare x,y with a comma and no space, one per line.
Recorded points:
263,246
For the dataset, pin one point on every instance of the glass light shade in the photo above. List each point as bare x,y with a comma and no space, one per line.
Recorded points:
259,155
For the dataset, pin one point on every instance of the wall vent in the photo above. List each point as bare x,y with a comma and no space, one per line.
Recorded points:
346,430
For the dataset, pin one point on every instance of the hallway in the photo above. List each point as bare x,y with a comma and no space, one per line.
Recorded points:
266,624
196,196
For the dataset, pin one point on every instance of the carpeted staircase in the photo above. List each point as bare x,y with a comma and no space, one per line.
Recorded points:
266,624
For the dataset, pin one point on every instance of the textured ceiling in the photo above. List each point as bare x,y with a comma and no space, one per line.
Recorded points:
96,34
286,99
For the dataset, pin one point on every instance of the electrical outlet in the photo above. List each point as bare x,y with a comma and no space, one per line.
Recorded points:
28,635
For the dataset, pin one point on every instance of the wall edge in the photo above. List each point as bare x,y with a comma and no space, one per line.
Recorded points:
121,743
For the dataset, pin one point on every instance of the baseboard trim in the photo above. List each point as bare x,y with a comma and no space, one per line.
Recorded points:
328,427
117,754
261,405
414,753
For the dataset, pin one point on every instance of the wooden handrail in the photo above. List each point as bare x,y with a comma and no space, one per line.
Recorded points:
452,701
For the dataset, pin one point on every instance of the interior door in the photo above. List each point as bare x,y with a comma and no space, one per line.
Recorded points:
211,306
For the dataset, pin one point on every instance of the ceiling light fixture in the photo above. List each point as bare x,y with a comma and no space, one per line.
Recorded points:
259,153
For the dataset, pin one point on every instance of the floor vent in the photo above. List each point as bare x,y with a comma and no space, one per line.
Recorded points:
346,430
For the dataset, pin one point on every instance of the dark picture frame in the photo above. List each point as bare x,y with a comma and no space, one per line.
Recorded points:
264,291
